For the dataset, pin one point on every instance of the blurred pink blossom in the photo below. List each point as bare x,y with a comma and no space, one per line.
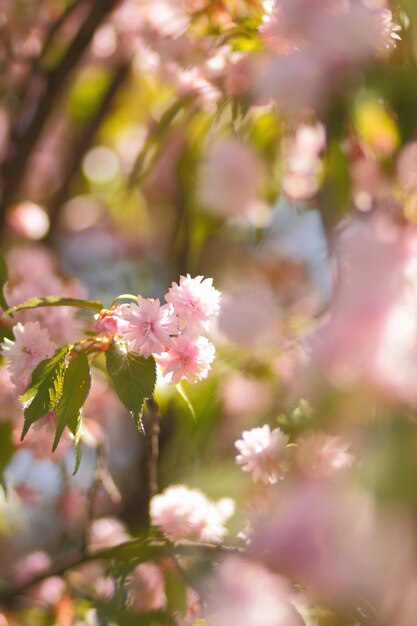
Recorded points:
251,318
29,262
318,46
302,162
323,456
181,512
48,592
407,167
61,322
229,178
336,542
260,453
32,345
246,593
146,588
387,31
243,396
107,532
9,408
73,506
30,565
369,338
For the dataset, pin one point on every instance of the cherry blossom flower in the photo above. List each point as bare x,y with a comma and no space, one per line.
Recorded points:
322,455
195,301
30,565
106,532
260,453
367,343
9,407
145,588
188,358
336,541
386,30
182,512
229,179
28,262
246,593
32,345
107,323
147,327
61,322
302,162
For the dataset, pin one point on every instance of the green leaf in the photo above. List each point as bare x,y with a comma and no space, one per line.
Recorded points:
184,396
133,377
6,448
76,427
45,388
36,303
175,591
4,276
111,612
75,390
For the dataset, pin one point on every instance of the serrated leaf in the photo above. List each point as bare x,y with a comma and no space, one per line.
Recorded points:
4,276
133,377
6,448
45,388
75,390
36,303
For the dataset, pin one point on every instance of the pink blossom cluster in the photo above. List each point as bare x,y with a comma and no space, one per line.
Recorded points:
32,344
230,179
173,332
340,544
145,588
302,160
249,594
314,45
34,275
37,332
323,456
264,453
368,340
181,512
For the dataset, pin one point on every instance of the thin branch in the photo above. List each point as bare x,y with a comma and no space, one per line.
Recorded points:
160,127
55,27
152,548
86,138
154,446
35,70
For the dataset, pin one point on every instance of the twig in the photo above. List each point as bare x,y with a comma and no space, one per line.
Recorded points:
156,134
55,27
154,446
86,138
152,548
